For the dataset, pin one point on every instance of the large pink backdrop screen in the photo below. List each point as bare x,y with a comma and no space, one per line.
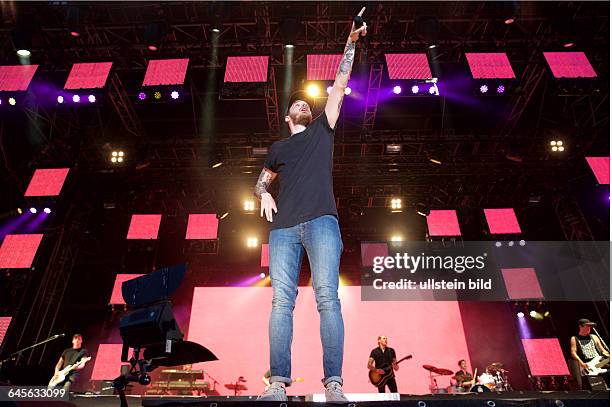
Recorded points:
233,323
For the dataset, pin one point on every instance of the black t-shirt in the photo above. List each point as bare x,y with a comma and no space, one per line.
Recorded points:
382,359
70,356
304,164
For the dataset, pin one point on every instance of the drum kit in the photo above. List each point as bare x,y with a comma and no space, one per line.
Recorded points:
494,378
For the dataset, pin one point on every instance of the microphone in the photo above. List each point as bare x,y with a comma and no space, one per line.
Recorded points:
358,21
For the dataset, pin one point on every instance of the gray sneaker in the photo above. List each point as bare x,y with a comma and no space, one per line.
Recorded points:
334,393
276,392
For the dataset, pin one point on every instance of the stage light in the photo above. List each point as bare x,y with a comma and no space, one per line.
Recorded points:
509,21
76,98
510,244
152,48
432,46
215,30
313,90
217,164
174,95
120,154
119,159
347,90
501,89
47,210
33,210
532,314
396,203
415,89
329,89
397,89
422,210
520,314
568,45
557,145
249,205
498,244
433,90
60,99
223,215
251,242
157,95
91,98
23,53
113,159
12,101
75,34
142,96
484,89
521,242
262,275
117,156
396,238
288,45
19,211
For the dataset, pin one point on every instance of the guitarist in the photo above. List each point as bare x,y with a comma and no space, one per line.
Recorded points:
586,347
71,356
382,359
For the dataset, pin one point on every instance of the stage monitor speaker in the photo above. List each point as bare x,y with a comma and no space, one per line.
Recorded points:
596,383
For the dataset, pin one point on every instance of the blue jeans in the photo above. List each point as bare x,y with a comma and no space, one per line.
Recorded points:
320,237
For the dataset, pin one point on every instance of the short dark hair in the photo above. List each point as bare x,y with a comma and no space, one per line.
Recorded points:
77,336
459,363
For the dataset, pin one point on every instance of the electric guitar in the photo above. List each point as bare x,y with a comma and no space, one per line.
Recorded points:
61,375
595,366
378,379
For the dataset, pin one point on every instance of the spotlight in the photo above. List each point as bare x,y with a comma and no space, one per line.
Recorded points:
113,159
23,53
329,89
415,89
142,96
568,45
557,145
12,101
217,164
75,34
223,215
520,314
433,90
432,46
396,204
484,89
119,159
91,98
157,95
422,210
396,238
511,243
33,210
76,98
215,30
120,154
498,244
249,205
262,275
47,210
19,211
289,46
501,89
521,242
397,89
174,95
313,90
347,91
509,21
60,99
533,314
152,48
252,242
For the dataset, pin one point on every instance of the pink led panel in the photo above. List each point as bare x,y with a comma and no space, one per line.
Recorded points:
18,251
166,72
443,223
16,77
202,226
107,365
88,75
502,221
371,250
246,69
569,65
322,67
492,65
47,182
144,227
522,283
601,168
408,66
116,296
4,325
265,255
247,316
545,357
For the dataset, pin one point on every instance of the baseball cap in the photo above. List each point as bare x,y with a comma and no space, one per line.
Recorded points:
584,321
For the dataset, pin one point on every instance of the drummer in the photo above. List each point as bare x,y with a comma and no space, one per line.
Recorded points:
463,377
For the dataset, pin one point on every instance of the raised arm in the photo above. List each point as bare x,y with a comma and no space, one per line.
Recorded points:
334,101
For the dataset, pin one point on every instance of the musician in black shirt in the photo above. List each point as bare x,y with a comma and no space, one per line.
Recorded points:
383,357
584,348
71,356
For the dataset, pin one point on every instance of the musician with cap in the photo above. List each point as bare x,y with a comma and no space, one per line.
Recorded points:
585,348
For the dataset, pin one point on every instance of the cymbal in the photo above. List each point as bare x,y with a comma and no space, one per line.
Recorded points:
438,370
233,386
495,366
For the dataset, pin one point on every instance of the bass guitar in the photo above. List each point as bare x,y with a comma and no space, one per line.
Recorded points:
378,379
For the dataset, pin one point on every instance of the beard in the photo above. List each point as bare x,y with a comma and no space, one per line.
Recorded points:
302,119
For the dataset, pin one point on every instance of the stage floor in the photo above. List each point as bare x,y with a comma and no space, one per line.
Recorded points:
514,399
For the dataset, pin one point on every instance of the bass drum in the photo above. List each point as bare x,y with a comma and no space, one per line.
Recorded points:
480,388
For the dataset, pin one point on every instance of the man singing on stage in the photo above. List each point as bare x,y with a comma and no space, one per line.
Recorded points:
306,220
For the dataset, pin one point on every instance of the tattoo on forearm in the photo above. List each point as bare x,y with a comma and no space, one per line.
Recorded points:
346,63
265,178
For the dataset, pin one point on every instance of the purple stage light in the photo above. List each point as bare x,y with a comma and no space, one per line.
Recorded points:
142,96
60,99
484,89
76,98
415,89
174,95
91,98
520,314
397,89
262,275
33,210
501,89
47,210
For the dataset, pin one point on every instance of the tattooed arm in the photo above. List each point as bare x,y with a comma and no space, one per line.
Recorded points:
261,191
336,96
